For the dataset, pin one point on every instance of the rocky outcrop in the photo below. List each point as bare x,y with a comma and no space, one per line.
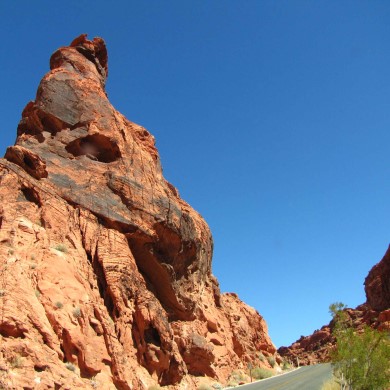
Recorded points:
311,349
105,272
377,285
375,313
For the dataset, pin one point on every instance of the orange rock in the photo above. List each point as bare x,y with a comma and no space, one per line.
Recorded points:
105,272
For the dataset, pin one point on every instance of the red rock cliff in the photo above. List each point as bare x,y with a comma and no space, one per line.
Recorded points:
105,272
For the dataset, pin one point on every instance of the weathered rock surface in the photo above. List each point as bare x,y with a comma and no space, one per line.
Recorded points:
375,313
377,285
105,272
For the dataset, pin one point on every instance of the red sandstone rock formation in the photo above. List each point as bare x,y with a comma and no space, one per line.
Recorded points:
375,313
377,285
105,272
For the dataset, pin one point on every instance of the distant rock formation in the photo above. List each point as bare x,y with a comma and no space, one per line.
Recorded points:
377,285
105,272
375,313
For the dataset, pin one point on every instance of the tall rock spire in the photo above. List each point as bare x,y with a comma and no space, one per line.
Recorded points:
105,274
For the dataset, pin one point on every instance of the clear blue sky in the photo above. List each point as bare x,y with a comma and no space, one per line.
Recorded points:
271,117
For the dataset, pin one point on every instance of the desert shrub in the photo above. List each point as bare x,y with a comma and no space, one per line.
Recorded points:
37,293
361,359
59,305
238,376
331,384
61,248
261,357
16,362
271,361
70,366
77,312
286,365
261,373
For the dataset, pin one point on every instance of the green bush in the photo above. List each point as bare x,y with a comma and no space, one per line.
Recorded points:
77,312
261,373
61,248
271,361
70,366
361,359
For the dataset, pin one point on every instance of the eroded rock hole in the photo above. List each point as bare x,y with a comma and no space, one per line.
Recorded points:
96,146
28,162
31,196
40,367
152,336
52,124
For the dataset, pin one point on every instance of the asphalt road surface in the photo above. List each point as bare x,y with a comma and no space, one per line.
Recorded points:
305,378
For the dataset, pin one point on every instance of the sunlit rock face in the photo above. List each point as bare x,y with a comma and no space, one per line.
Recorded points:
105,272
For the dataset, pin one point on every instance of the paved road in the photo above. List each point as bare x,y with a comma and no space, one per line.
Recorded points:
305,378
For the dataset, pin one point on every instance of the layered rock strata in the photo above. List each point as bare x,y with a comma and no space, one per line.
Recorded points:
105,272
375,312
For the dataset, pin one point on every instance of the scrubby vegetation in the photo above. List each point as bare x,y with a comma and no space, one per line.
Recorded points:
331,384
70,366
361,358
261,373
237,377
16,361
271,361
77,312
61,248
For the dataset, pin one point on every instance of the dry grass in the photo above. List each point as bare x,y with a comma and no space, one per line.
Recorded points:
331,384
61,248
204,386
261,373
